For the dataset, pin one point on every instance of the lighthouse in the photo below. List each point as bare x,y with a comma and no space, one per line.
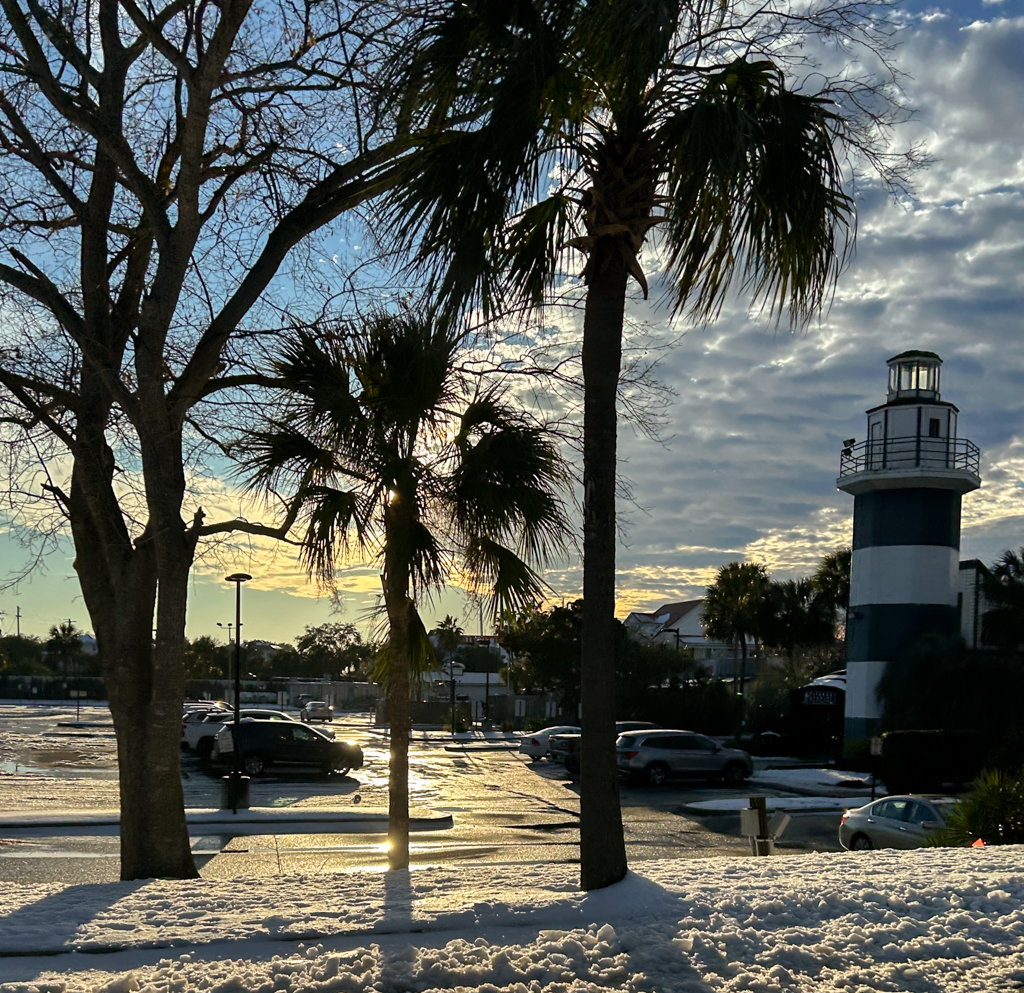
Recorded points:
907,479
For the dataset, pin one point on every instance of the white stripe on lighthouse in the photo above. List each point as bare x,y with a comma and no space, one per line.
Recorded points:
904,574
862,679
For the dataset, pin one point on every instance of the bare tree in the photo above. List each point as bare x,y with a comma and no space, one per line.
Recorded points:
159,163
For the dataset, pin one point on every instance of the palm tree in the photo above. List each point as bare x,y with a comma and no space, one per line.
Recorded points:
797,616
736,605
1003,625
391,454
569,123
832,582
449,636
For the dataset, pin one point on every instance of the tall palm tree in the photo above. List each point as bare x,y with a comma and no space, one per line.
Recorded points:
736,607
578,124
391,454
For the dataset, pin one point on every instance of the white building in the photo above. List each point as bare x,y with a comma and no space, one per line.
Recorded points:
681,625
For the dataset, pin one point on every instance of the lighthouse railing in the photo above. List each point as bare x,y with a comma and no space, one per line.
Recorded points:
911,452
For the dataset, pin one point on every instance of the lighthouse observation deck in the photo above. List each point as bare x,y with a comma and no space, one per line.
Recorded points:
913,460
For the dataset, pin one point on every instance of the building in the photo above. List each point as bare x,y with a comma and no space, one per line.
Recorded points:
681,625
907,478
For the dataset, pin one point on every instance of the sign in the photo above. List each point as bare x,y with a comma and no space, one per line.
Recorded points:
825,697
876,747
78,694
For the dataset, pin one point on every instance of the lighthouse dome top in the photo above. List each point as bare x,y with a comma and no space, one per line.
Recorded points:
914,375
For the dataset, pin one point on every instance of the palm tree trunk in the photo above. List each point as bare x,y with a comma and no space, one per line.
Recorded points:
400,617
602,846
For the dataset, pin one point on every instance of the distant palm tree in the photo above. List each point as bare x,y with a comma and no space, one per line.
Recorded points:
449,636
797,616
735,606
832,582
391,454
65,646
579,124
1003,625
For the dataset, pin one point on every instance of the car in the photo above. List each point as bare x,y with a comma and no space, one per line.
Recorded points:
561,745
265,743
658,756
317,710
902,821
535,744
199,735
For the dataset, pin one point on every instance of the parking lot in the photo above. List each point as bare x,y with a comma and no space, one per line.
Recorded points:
505,808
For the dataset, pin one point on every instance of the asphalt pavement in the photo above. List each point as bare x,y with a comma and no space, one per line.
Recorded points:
505,808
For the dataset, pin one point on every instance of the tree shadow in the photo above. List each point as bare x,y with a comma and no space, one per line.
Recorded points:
50,925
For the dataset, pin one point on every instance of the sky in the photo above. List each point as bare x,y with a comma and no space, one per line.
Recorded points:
746,462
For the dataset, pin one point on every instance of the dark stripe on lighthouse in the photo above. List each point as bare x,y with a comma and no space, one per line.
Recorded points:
915,516
886,631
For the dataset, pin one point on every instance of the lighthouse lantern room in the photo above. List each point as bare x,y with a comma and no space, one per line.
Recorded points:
907,479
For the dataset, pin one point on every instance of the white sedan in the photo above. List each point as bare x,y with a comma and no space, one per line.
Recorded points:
535,744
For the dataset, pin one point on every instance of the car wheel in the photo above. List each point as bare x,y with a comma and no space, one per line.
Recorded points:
534,758
734,772
253,764
656,774
860,843
204,747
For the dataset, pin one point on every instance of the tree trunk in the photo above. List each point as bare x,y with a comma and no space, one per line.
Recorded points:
145,682
145,685
602,846
401,614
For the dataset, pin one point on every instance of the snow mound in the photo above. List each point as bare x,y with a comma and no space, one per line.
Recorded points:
935,919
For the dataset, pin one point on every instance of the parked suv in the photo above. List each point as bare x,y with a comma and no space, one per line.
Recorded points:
199,736
317,710
658,756
266,743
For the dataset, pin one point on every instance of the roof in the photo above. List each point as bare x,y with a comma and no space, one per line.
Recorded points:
670,613
915,353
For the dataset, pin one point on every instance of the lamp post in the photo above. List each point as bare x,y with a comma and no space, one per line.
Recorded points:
454,669
235,788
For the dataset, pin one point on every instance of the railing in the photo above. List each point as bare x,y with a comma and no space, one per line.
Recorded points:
895,454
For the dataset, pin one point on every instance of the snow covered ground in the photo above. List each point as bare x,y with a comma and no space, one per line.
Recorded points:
949,920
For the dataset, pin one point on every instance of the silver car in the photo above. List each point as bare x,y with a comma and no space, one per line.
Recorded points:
536,744
894,822
658,756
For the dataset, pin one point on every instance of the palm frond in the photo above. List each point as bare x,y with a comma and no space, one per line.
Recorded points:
422,657
268,456
506,481
514,586
503,66
333,515
755,188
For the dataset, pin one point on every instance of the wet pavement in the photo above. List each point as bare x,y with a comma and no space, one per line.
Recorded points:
505,808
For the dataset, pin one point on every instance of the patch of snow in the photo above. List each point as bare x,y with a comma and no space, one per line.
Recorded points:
933,919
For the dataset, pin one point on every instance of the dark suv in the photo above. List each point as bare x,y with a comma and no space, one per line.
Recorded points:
267,743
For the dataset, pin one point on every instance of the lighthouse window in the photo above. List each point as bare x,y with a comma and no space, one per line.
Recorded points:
933,427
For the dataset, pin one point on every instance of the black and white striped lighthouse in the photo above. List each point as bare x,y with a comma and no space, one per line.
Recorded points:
907,479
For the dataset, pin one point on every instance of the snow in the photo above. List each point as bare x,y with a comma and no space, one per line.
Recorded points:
811,778
927,920
798,804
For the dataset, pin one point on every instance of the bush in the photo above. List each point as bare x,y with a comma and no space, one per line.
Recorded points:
925,761
992,811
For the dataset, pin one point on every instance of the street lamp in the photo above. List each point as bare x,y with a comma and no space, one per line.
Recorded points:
235,788
454,669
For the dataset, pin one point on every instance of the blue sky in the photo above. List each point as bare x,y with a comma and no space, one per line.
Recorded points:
750,449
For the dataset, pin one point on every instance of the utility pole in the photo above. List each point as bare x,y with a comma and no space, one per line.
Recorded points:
17,618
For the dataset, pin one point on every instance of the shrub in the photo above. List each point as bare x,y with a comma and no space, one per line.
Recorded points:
992,811
923,761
